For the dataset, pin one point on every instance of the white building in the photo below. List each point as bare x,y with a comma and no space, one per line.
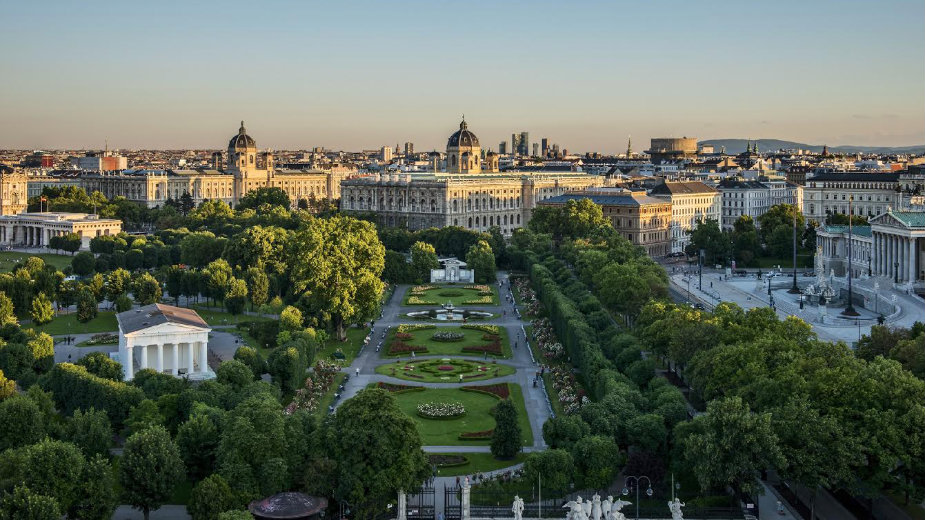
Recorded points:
899,246
754,198
165,338
829,193
452,272
833,241
36,229
691,203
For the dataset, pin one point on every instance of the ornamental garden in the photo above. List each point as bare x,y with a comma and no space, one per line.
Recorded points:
464,340
456,294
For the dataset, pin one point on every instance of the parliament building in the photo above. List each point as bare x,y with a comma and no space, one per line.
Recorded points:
470,193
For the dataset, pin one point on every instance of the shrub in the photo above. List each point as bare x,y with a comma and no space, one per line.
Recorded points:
448,336
399,389
476,436
73,387
499,390
437,410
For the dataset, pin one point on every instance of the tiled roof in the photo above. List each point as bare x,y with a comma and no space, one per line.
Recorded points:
681,188
605,200
914,219
864,231
157,314
849,176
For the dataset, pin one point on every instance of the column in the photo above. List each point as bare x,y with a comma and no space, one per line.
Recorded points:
203,356
189,359
911,261
874,257
129,361
144,357
160,358
175,359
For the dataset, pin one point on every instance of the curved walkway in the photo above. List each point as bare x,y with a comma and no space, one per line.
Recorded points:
534,399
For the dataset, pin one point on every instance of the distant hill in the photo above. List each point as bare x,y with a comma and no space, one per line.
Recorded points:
734,146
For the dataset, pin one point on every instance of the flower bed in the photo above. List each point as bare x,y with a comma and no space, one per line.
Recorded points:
437,410
400,347
404,336
398,389
448,336
476,436
488,329
449,294
447,461
417,300
446,367
499,390
481,300
407,328
493,348
316,385
421,289
101,339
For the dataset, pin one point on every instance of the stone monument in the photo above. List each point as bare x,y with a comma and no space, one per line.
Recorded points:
675,507
518,508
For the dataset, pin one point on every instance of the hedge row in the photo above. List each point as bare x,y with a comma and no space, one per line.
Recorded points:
75,388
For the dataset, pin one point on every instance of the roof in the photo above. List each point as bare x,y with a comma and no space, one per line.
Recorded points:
731,184
856,177
463,137
863,231
157,314
626,199
681,188
914,219
242,140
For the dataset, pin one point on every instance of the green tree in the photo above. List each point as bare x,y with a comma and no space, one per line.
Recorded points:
236,296
258,286
55,468
200,248
7,387
21,422
123,303
235,515
575,219
86,306
146,289
150,468
218,277
506,440
234,373
729,446
96,284
337,266
273,196
100,364
555,467
42,312
211,497
97,499
174,282
708,236
745,243
198,440
481,259
7,314
24,504
596,461
90,431
563,431
83,263
291,319
252,358
423,259
380,456
287,366
144,415
260,247
117,283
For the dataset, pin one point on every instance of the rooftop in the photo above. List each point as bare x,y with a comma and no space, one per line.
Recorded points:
157,314
681,188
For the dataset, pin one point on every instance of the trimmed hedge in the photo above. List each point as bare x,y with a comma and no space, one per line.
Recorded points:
73,387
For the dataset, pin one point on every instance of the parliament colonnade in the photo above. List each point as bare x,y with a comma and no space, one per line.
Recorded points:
899,246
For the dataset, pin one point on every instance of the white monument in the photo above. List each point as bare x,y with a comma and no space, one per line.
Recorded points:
452,271
675,507
618,505
165,338
518,508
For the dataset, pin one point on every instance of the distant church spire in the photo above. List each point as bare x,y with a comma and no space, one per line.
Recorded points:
629,146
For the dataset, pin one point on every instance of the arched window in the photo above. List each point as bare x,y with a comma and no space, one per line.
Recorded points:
469,207
455,222
518,219
454,207
470,222
491,220
453,159
476,222
505,220
433,206
352,202
476,204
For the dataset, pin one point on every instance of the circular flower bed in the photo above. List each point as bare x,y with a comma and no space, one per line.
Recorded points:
448,336
437,410
446,368
449,294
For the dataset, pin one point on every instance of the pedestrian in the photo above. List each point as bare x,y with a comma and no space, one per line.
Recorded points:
358,370
457,481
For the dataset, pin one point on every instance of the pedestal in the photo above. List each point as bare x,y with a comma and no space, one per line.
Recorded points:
402,513
464,500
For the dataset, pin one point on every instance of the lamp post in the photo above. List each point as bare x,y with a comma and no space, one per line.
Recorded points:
849,310
794,289
877,297
636,479
896,273
700,270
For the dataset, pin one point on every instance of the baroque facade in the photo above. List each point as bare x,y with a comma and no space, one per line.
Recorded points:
468,194
245,170
692,202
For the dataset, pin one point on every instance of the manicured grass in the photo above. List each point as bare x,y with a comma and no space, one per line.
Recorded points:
351,347
426,371
478,462
105,321
803,261
433,296
8,259
447,348
435,432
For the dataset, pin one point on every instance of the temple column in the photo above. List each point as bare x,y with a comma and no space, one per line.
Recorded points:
203,356
129,361
175,359
144,357
189,359
910,264
160,358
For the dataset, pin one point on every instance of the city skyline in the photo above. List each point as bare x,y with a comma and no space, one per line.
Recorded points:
364,75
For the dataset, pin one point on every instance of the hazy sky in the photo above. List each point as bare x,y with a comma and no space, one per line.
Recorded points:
352,75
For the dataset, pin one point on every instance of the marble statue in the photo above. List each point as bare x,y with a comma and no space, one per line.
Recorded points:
585,508
518,508
618,504
595,507
675,507
576,510
606,504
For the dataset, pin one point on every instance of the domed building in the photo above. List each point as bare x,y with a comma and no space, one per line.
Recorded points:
463,153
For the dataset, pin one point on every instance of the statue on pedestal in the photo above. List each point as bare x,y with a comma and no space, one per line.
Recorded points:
675,507
576,510
518,508
615,513
596,507
606,504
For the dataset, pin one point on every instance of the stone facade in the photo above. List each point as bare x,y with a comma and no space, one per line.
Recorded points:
691,203
36,229
828,193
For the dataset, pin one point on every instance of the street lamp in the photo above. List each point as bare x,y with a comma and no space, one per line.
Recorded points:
794,289
626,490
896,273
700,272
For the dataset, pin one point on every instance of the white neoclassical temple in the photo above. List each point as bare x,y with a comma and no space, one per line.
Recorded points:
452,271
164,338
899,246
36,229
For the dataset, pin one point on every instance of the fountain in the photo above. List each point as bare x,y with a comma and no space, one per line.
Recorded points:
448,312
821,292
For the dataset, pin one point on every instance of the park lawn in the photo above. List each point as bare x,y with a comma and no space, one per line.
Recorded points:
478,462
439,432
215,317
803,261
397,369
8,259
433,296
914,510
105,321
447,348
351,347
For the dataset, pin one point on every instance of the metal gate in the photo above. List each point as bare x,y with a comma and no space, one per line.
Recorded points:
452,504
421,505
